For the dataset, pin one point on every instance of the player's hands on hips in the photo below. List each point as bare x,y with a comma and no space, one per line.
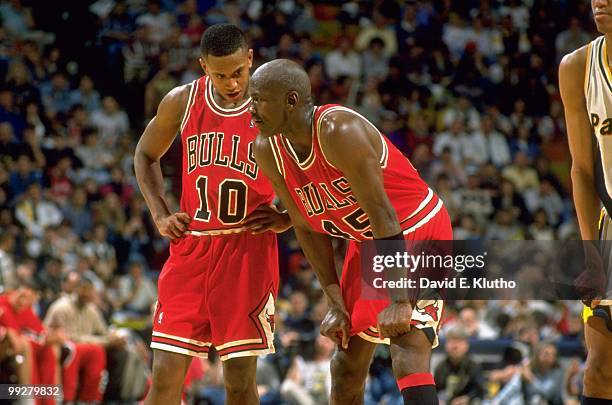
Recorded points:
337,326
267,218
395,319
174,225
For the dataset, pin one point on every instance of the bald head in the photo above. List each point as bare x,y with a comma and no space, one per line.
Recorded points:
282,76
281,101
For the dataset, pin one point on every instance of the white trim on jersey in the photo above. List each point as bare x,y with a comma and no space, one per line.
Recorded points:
217,109
277,155
182,339
425,220
385,150
213,232
190,103
175,349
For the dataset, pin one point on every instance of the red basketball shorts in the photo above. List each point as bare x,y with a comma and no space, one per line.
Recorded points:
426,315
218,291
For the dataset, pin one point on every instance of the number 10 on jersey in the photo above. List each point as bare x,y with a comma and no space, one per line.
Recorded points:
231,204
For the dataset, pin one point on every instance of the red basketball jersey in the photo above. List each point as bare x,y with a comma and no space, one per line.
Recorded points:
221,180
324,196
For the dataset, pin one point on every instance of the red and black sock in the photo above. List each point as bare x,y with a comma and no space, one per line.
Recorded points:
418,389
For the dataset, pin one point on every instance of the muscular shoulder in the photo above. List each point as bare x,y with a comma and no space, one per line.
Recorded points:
572,78
264,156
345,137
572,67
337,125
174,103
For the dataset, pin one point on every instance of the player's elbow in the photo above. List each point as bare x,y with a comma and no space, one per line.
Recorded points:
141,156
385,223
582,174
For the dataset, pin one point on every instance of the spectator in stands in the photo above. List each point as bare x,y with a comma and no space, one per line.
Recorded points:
544,376
498,150
9,111
546,198
308,382
540,229
521,174
454,138
473,326
507,198
343,61
29,338
86,95
158,23
8,277
375,62
458,377
111,122
78,318
137,293
100,252
570,39
24,175
96,158
35,213
77,213
55,94
505,227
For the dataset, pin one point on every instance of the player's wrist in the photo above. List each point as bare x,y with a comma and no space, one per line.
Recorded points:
334,297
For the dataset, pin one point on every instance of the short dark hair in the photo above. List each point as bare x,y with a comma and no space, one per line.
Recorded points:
222,40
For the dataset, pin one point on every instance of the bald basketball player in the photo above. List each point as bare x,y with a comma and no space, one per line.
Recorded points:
338,176
585,81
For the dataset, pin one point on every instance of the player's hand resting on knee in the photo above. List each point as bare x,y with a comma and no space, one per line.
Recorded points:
267,218
174,225
395,319
337,326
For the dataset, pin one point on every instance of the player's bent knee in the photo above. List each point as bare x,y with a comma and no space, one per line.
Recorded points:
410,353
348,375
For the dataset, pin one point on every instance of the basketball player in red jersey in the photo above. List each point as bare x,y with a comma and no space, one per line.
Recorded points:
219,284
338,176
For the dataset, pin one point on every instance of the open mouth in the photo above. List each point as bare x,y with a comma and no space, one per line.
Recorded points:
234,95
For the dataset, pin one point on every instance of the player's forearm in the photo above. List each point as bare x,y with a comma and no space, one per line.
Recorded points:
587,204
151,183
320,253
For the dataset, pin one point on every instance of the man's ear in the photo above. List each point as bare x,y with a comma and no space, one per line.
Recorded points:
202,64
250,58
292,99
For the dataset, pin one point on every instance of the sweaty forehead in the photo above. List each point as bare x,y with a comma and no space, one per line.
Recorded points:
261,86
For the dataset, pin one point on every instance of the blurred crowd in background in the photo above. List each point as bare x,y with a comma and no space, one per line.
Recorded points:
466,89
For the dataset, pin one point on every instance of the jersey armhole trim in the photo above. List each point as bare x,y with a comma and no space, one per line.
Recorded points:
604,67
277,157
190,101
587,69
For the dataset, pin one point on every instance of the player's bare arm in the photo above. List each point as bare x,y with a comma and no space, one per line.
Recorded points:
580,138
267,218
355,148
316,246
153,144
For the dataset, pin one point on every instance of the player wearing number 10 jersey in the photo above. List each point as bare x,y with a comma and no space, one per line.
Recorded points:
219,284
